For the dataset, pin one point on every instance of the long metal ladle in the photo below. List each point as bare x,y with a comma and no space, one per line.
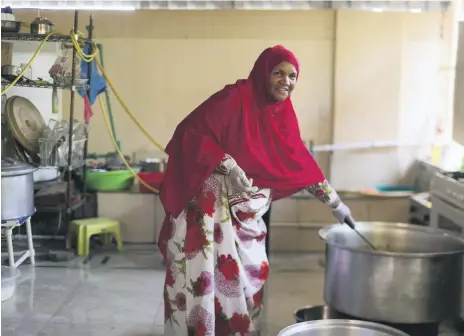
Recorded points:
350,222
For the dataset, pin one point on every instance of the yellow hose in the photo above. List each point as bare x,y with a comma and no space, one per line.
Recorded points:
115,145
88,59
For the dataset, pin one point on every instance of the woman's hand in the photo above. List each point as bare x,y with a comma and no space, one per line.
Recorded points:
341,212
240,182
238,178
324,192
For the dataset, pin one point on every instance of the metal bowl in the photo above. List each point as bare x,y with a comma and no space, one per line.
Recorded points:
340,328
315,313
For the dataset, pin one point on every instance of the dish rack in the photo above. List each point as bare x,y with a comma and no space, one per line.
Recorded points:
55,153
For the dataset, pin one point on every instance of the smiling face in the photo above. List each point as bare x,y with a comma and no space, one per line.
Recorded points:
282,81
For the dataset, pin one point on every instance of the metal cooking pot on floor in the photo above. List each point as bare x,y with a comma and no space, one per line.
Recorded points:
315,313
17,189
413,277
340,328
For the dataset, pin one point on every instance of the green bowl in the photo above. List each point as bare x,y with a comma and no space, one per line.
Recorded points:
109,180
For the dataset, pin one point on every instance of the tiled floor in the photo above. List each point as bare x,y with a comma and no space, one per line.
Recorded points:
123,295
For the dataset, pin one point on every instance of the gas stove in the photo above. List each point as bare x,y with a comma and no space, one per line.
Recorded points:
450,188
447,197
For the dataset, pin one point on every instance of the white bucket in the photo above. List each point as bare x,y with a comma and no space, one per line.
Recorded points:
9,278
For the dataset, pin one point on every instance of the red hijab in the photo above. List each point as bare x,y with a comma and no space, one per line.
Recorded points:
260,134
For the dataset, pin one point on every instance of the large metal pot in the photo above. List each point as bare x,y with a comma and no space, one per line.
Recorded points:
17,189
413,277
340,328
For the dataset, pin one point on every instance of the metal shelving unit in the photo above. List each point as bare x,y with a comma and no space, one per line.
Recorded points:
71,204
44,85
38,37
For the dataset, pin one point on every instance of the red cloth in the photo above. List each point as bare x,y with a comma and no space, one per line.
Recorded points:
88,113
262,135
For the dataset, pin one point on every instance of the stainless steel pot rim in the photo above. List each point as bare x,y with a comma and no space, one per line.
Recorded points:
323,233
303,326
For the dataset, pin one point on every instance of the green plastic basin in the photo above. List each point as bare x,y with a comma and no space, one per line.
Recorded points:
109,180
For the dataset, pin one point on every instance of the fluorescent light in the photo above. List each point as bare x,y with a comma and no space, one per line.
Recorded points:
60,7
377,10
415,10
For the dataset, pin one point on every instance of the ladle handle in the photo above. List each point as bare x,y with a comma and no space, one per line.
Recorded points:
350,222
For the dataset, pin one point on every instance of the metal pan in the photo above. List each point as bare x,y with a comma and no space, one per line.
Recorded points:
11,26
340,328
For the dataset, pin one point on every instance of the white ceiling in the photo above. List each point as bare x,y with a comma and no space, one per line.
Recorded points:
377,5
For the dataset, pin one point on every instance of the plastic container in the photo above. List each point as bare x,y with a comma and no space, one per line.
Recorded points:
390,188
152,179
9,277
109,180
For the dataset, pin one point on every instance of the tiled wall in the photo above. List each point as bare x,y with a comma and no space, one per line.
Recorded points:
295,222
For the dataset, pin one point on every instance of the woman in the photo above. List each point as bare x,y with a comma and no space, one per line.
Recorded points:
229,159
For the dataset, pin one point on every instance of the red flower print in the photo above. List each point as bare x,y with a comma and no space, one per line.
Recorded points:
244,236
222,326
166,233
195,241
217,306
236,223
181,301
205,203
169,280
243,216
261,236
201,329
240,324
228,267
257,298
200,321
218,235
320,192
264,271
202,286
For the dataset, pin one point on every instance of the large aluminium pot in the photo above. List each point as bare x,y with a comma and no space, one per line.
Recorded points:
17,189
413,277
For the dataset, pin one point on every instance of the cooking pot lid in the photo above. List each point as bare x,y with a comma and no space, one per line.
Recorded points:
25,121
12,167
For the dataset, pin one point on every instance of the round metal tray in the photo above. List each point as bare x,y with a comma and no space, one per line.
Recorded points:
340,328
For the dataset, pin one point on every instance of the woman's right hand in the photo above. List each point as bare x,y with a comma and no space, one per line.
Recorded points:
240,181
238,178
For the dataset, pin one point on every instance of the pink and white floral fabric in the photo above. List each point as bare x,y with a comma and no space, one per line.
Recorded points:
216,262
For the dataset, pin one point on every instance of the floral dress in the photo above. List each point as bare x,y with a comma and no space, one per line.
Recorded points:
216,262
